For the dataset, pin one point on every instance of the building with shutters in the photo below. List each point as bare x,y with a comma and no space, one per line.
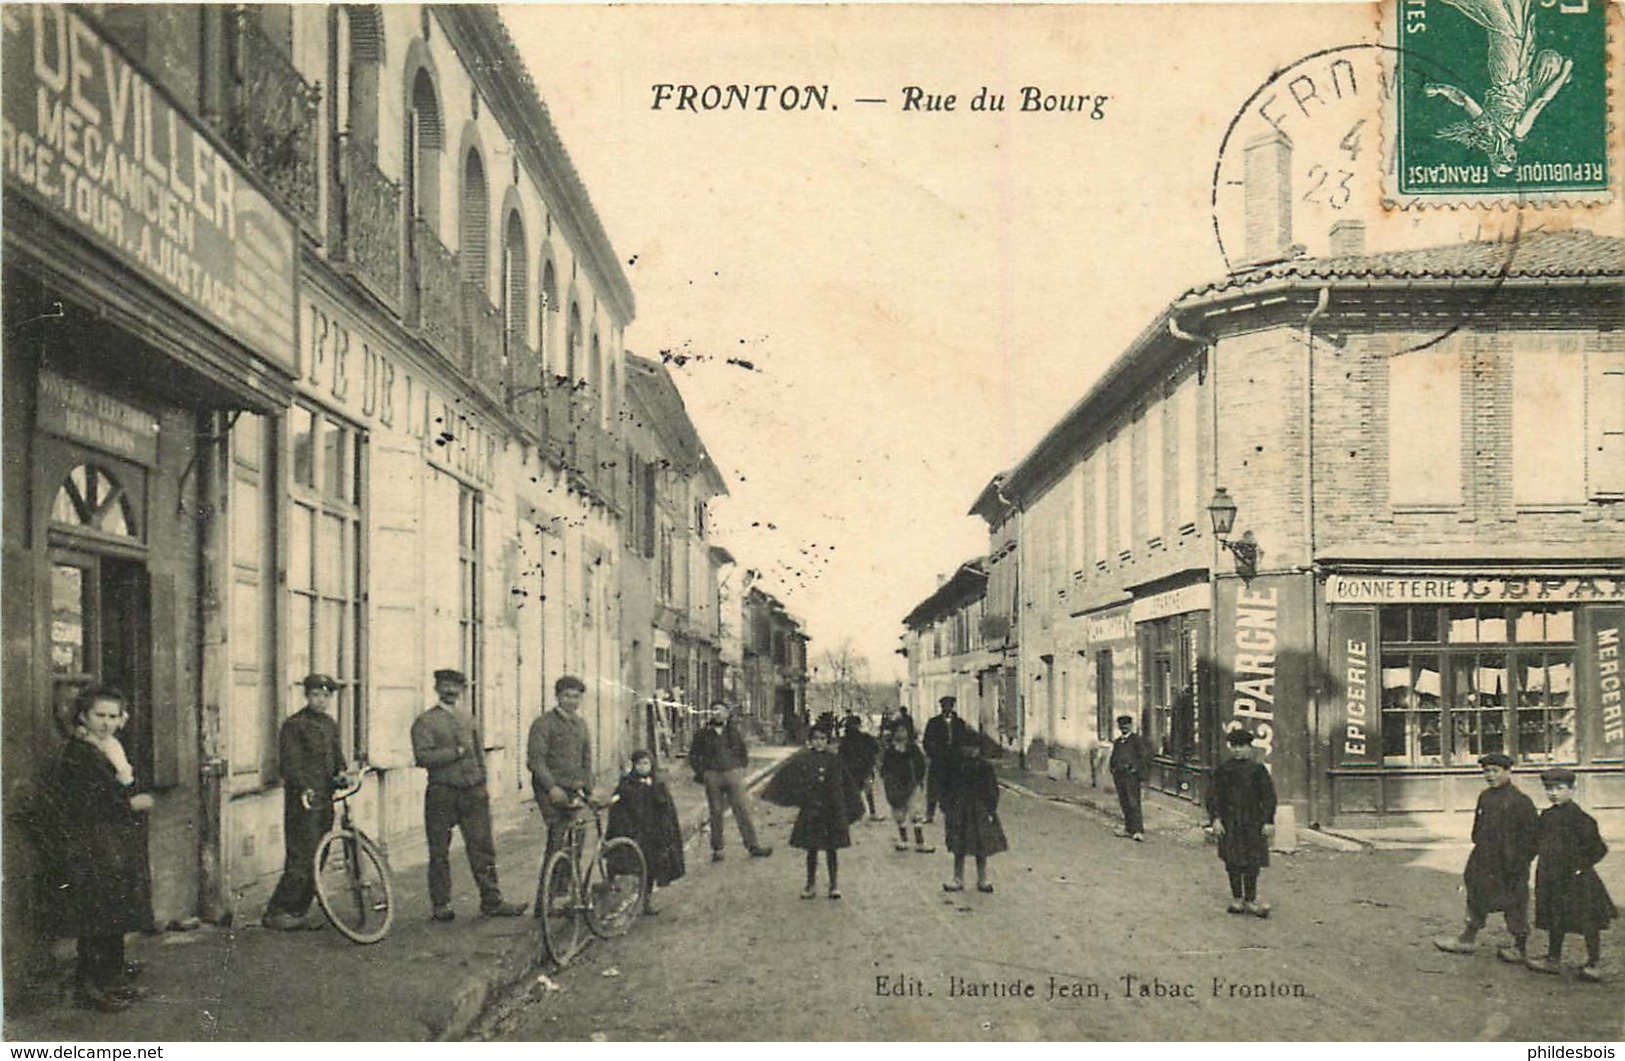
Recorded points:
1426,452
313,361
774,664
946,644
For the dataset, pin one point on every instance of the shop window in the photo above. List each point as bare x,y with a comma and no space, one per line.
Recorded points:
90,498
325,586
470,620
1475,679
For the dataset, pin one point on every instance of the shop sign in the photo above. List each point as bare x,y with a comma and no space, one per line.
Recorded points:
1197,597
1261,644
92,141
1602,659
1498,589
74,411
345,365
1354,695
1113,627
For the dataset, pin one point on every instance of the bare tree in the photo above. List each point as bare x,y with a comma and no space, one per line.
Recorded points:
844,671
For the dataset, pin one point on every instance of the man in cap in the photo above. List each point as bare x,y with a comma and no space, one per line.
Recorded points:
310,758
559,754
941,741
1505,830
446,742
718,758
1128,769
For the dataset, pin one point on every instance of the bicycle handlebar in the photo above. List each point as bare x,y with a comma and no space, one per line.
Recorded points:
350,788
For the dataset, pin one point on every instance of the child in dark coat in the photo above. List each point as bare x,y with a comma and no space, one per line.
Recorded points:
1241,816
858,753
815,781
971,811
643,809
1569,896
902,775
1497,875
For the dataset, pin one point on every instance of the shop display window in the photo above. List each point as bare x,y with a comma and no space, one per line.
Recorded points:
1462,681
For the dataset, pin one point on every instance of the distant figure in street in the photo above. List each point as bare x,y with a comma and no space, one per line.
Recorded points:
644,811
89,830
718,758
1569,896
310,758
858,753
900,717
971,810
941,742
558,752
815,781
902,775
1128,768
1241,817
1497,875
446,742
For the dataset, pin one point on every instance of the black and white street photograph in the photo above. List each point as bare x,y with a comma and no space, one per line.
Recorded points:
853,523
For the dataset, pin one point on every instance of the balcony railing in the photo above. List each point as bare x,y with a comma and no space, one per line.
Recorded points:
482,339
372,223
438,289
274,119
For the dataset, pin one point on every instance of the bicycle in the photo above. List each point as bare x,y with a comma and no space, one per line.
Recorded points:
605,891
353,883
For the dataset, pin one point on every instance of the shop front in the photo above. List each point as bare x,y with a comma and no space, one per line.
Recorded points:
1171,631
1427,672
148,304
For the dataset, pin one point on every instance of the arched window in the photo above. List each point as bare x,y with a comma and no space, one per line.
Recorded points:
90,498
595,367
572,344
550,307
612,397
515,283
360,29
474,221
425,136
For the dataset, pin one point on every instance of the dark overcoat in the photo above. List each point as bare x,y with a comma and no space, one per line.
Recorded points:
902,773
829,799
858,753
1569,896
92,866
645,812
1242,796
1504,827
971,817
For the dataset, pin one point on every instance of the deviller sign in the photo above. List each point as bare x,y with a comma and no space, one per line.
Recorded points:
95,144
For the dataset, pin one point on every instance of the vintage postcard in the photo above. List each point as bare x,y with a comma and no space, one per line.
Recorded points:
860,522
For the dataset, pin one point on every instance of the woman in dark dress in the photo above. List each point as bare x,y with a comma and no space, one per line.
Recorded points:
971,814
92,872
1241,816
1569,896
643,810
829,800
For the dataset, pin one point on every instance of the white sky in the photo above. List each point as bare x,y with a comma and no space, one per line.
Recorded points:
922,295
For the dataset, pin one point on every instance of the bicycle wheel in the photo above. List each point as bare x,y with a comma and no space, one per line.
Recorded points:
559,908
617,883
353,886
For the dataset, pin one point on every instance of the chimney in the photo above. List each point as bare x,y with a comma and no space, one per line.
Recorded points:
1348,239
1267,198
942,580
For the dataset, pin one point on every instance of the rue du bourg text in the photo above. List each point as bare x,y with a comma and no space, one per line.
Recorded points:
910,99
1052,988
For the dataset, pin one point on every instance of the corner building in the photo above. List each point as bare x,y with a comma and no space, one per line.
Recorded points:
313,362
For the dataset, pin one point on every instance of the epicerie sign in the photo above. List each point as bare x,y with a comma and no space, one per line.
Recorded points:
1350,589
92,141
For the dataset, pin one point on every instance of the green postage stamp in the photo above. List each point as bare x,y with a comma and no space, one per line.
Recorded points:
1501,101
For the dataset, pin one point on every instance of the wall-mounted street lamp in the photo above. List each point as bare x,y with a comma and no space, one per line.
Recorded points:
1222,510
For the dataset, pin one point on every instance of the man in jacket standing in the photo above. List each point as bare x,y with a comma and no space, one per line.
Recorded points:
1128,768
559,755
309,757
446,742
942,736
718,757
1505,828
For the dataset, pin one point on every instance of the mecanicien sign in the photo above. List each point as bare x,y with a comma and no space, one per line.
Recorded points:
92,141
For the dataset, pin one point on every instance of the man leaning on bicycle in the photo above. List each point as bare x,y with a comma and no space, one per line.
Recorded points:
559,754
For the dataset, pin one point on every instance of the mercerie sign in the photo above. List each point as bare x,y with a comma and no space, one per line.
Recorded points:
93,142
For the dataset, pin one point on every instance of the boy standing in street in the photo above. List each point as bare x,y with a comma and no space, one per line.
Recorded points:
1241,817
309,757
1497,875
1569,896
1128,769
718,758
447,744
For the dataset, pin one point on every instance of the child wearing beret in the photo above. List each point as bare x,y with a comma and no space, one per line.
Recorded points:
1569,896
1241,817
1497,875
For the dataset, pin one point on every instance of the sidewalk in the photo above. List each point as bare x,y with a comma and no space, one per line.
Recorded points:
427,981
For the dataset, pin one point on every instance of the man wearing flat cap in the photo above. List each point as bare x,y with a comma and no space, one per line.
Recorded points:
310,758
1505,829
941,742
446,742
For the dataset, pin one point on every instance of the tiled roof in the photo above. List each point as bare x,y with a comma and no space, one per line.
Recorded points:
1567,255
